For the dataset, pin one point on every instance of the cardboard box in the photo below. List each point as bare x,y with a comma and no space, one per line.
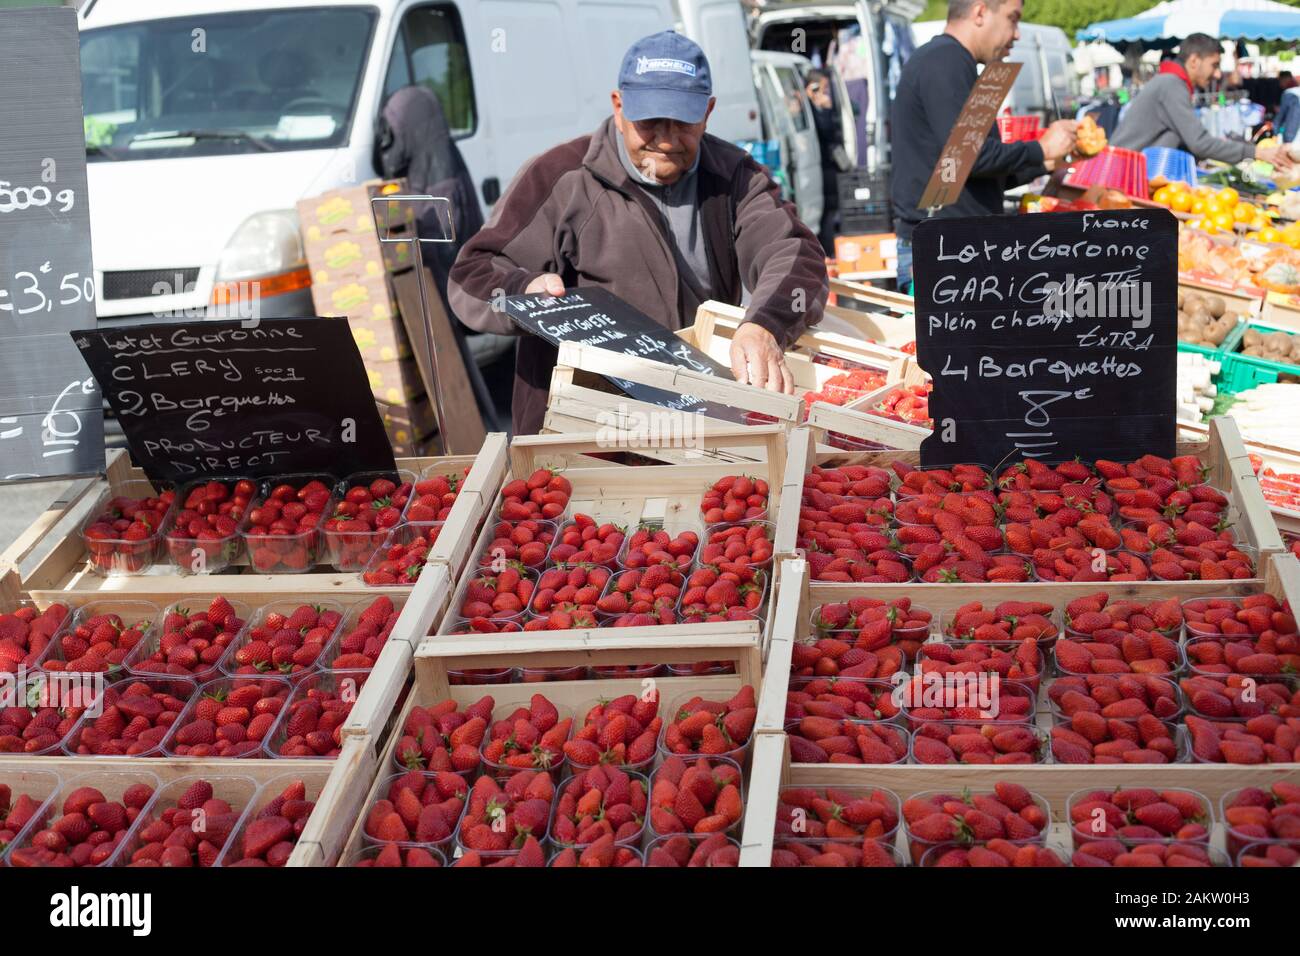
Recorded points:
416,417
372,315
355,256
873,253
395,383
349,211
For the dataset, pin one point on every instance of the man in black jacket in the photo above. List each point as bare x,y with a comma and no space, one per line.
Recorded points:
931,92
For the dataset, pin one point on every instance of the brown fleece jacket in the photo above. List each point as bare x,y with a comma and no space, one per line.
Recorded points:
574,211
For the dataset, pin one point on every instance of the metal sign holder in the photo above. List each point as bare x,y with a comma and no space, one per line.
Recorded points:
418,259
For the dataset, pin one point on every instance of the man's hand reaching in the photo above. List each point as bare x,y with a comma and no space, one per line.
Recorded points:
757,359
547,283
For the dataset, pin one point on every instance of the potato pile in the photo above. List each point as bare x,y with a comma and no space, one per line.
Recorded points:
1204,319
1274,346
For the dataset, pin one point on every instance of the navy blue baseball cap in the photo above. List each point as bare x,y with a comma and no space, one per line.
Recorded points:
665,76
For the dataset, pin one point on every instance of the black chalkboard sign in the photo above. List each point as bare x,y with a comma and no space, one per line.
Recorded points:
1048,336
201,398
595,316
51,421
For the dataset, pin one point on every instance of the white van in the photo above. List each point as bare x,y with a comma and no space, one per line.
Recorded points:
782,83
207,120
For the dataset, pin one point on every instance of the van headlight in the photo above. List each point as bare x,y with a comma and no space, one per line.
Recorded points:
266,243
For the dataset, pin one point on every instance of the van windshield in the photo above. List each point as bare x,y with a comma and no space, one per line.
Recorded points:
254,81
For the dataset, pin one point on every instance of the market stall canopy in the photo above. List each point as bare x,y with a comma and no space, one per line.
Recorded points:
1228,19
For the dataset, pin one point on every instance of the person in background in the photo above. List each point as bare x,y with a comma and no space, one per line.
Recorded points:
658,212
934,86
1162,113
835,160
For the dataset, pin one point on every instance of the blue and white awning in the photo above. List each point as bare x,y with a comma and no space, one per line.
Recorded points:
1225,19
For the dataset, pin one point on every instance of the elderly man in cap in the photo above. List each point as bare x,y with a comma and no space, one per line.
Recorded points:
658,212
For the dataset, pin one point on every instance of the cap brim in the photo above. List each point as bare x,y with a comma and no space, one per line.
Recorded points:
640,105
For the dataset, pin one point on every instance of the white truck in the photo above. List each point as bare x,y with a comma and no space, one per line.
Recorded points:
207,120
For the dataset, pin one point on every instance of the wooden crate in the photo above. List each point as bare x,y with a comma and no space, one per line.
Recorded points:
64,573
853,338
337,785
437,656
1224,454
664,494
771,767
1278,457
372,714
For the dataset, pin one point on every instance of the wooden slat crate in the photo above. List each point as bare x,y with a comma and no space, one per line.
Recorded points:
64,572
844,334
338,786
668,495
437,656
1224,455
772,768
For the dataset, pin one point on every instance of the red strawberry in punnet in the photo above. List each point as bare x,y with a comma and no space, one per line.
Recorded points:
363,635
270,834
815,813
995,853
190,641
710,590
444,736
1253,814
834,853
368,509
1139,815
697,795
973,741
123,536
189,825
499,596
818,739
101,641
1009,812
543,494
734,498
283,533
313,720
1021,662
1007,621
601,801
15,812
528,738
603,853
680,850
502,816
391,855
432,497
961,479
527,541
587,540
208,520
573,588
417,808
840,698
284,638
401,560
26,633
738,548
872,624
1253,615
135,716
622,732
646,591
651,545
230,717
711,727
89,827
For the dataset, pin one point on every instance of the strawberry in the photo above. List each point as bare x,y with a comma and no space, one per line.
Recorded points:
188,643
88,830
235,706
501,596
25,633
392,855
501,817
602,801
283,532
274,643
186,831
99,642
970,741
444,737
651,545
527,738
269,835
136,716
543,494
701,726
734,498
805,813
403,556
700,795
575,588
738,548
122,536
1138,815
620,732
370,507
208,520
527,541
585,540
681,850
362,636
937,818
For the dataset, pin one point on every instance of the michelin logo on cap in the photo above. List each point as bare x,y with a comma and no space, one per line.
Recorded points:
663,65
